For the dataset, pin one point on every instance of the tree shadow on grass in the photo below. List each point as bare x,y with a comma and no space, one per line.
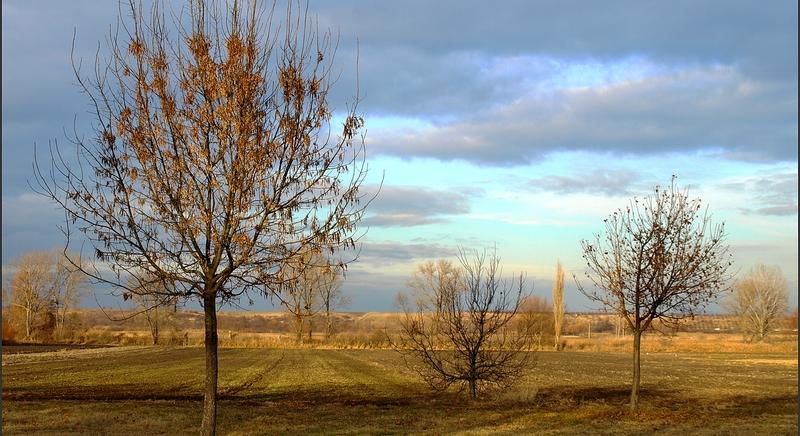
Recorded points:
111,392
570,396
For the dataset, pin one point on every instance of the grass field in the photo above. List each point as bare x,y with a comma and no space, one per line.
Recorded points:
156,390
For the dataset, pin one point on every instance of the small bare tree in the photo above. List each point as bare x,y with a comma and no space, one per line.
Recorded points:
155,300
32,287
558,305
331,295
300,290
69,287
760,299
659,258
313,284
535,318
460,331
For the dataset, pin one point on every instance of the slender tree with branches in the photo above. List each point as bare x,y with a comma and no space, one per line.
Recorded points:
460,332
760,299
329,283
535,317
558,305
659,258
68,288
155,300
215,159
312,285
299,292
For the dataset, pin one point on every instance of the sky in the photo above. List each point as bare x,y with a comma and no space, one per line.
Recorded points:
518,125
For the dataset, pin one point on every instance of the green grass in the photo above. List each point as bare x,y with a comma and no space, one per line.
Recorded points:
156,390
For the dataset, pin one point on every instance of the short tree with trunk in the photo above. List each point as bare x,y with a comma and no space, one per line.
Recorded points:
760,299
215,159
661,257
459,331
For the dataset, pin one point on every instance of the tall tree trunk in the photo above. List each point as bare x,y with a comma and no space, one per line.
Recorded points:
298,326
28,324
473,378
637,342
328,324
209,426
310,328
473,388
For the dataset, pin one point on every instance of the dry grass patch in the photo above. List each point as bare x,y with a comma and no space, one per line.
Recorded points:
303,391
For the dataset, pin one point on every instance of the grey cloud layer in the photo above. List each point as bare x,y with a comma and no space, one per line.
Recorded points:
443,61
760,34
388,253
609,182
405,206
714,109
730,85
772,194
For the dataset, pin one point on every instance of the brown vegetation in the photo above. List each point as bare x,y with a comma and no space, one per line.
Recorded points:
376,330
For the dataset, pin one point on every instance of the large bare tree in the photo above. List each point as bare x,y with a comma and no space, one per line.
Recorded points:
459,332
760,299
214,159
658,258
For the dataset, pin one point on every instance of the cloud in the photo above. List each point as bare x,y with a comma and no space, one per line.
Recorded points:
700,109
771,194
30,222
761,35
445,59
777,210
503,91
373,290
607,182
406,206
391,253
